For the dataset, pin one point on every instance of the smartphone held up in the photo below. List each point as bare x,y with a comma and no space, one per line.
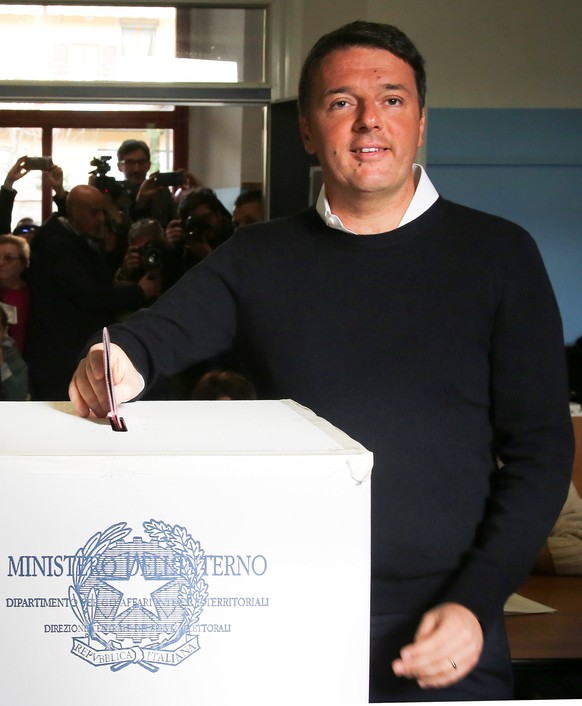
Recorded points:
43,164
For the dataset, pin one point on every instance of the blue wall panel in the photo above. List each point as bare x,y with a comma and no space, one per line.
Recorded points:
525,165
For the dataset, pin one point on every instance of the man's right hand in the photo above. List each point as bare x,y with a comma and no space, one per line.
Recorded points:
17,171
88,391
175,231
151,284
132,260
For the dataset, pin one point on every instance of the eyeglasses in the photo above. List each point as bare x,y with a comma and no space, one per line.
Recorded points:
134,162
8,258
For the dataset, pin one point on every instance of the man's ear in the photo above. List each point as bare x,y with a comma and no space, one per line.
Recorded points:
305,132
421,128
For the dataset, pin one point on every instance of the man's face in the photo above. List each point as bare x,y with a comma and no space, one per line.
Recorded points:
134,166
141,240
88,216
247,213
204,213
364,123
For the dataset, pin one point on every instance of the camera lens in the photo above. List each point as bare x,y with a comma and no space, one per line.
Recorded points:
152,254
196,227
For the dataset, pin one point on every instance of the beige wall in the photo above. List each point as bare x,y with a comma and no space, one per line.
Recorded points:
479,53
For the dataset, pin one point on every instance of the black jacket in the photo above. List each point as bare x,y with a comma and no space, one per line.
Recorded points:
72,296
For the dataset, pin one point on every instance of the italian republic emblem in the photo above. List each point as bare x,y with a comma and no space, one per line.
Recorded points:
138,600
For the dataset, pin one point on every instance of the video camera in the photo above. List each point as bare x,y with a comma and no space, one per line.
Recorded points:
105,184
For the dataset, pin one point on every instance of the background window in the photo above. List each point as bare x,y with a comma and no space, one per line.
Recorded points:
133,44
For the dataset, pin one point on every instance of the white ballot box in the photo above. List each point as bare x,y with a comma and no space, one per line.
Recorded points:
215,553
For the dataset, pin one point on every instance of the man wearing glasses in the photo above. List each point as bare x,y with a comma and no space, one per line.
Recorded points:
142,197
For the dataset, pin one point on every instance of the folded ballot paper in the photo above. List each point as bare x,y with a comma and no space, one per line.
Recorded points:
520,605
215,553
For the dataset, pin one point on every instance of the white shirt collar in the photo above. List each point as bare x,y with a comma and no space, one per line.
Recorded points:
425,195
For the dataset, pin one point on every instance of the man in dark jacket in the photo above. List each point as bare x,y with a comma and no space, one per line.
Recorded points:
72,291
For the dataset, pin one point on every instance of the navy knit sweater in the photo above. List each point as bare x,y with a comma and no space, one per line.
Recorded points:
438,346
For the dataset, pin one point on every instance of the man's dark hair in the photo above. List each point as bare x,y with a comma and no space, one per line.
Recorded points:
249,196
362,34
202,197
130,146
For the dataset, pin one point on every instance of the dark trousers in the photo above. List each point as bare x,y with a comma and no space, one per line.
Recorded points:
490,680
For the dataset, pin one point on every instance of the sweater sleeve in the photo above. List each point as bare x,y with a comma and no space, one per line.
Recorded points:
198,316
533,437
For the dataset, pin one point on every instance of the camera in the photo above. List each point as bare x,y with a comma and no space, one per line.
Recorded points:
26,230
105,184
153,256
159,260
42,164
196,228
169,178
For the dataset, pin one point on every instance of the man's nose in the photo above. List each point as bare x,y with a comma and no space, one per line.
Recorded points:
368,116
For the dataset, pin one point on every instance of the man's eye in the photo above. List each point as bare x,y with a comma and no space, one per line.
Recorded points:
340,104
394,101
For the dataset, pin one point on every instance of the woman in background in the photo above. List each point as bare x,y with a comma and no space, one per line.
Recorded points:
14,292
13,369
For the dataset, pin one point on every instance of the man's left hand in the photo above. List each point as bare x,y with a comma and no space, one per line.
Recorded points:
446,647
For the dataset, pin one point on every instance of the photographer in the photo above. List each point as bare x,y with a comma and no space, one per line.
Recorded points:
8,193
248,208
142,197
148,253
19,169
204,223
55,180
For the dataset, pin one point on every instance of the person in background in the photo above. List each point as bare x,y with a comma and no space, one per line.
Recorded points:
55,178
72,291
14,292
202,225
148,250
142,196
26,227
191,183
424,329
8,193
248,208
13,370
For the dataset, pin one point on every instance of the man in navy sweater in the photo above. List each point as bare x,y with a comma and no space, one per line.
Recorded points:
426,330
